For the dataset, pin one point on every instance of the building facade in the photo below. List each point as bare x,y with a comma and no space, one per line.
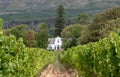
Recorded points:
55,43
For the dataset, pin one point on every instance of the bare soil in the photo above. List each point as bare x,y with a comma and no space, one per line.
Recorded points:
52,71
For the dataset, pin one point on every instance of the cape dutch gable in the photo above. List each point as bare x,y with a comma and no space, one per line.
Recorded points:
55,43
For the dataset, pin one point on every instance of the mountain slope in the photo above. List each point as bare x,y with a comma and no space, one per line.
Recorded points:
32,12
13,5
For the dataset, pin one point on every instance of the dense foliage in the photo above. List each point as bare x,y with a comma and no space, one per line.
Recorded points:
19,31
18,61
109,14
103,24
70,35
82,19
60,20
1,23
98,59
42,36
30,39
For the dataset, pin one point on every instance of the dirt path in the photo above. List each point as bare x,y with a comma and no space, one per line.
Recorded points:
50,71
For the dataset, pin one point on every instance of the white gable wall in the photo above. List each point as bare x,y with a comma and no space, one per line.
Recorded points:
58,41
56,45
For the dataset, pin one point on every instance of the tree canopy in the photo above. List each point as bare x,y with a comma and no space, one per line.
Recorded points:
103,24
109,14
72,31
42,36
71,34
82,19
59,21
1,24
19,31
30,39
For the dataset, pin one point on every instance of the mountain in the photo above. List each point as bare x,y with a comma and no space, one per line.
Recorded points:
21,5
32,12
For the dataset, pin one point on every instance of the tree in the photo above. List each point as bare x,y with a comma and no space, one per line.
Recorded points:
110,26
19,31
85,36
42,36
59,21
82,19
6,32
103,24
109,14
30,39
71,34
1,25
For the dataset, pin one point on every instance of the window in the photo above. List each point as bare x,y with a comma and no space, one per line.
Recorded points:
57,47
58,41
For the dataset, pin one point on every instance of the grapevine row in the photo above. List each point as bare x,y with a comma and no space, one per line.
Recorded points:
98,59
18,61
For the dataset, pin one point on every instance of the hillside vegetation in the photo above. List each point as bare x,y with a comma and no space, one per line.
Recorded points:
92,50
16,60
12,5
15,12
97,59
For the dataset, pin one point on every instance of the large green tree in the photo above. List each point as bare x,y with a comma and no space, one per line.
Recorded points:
70,35
19,31
42,36
103,24
30,39
109,26
1,25
59,21
82,19
109,14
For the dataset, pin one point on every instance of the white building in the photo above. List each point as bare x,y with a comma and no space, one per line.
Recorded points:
55,43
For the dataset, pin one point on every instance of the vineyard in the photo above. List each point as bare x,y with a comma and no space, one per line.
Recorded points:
98,59
16,60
